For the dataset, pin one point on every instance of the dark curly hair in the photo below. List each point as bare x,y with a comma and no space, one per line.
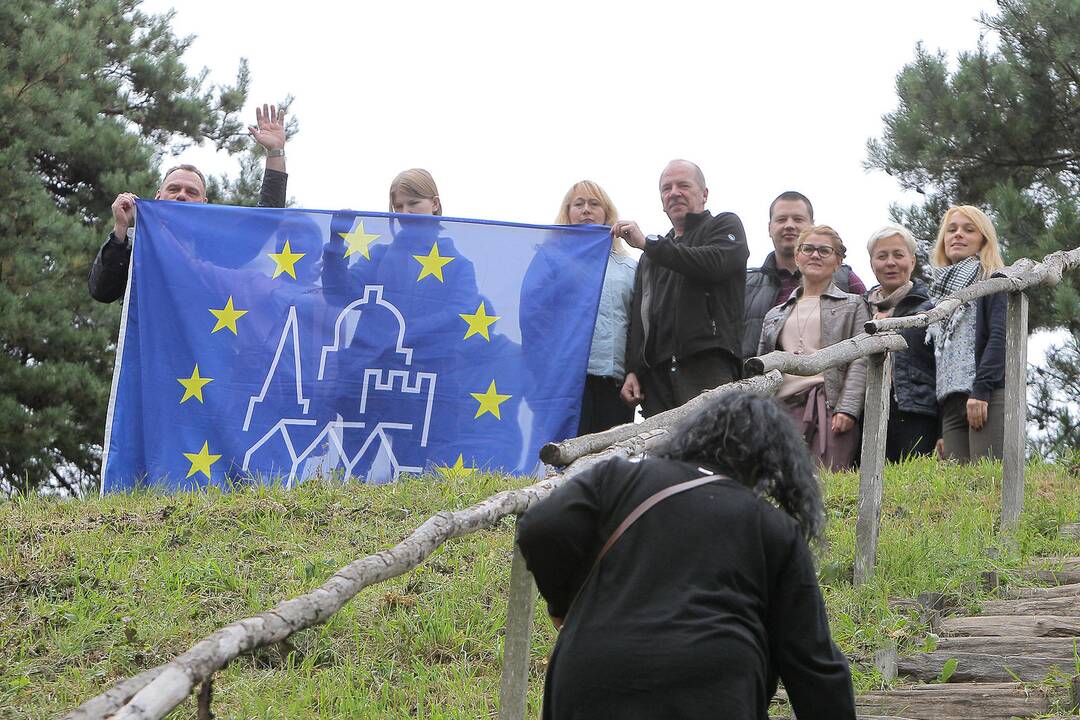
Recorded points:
752,440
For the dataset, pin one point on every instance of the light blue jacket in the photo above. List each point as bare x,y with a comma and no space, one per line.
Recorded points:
607,356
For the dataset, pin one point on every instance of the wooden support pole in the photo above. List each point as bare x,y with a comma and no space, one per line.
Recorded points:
1013,454
872,466
517,643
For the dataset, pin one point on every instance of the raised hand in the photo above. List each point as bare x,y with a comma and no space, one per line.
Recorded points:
269,130
123,210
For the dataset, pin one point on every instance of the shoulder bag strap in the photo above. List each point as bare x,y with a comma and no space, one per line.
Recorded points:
646,505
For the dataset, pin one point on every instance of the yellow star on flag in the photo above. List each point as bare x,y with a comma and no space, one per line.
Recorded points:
201,461
432,263
358,240
227,317
458,469
479,322
490,401
286,261
193,385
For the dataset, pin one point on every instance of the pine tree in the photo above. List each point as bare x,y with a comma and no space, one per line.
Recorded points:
1002,131
92,92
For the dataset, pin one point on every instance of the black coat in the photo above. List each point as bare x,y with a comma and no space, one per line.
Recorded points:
694,285
693,613
914,369
109,272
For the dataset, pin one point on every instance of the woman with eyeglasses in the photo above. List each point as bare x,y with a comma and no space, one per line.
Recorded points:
826,407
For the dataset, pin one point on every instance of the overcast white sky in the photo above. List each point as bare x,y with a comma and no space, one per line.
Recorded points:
508,103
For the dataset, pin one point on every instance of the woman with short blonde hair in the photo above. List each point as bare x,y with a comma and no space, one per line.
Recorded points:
913,409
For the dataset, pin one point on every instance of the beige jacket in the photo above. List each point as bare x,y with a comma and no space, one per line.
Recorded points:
842,317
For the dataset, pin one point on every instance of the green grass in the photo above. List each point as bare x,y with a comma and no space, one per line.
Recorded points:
94,591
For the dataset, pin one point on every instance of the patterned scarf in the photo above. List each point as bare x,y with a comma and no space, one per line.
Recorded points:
948,280
885,304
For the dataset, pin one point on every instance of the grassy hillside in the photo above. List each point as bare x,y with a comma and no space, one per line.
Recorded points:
93,591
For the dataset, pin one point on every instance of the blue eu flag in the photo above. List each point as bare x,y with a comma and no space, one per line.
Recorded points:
278,345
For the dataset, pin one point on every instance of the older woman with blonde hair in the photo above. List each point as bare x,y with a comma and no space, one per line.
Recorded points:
913,408
970,345
827,406
601,407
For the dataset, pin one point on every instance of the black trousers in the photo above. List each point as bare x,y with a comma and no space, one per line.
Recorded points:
601,406
909,434
668,386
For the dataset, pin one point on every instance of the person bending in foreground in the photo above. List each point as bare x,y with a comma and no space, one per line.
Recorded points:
708,598
184,183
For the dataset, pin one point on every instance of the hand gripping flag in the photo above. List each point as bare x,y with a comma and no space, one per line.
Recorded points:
277,345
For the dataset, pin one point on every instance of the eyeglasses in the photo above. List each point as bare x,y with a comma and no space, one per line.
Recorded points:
823,251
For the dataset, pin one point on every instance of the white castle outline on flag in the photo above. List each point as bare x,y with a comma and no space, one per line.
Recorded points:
378,379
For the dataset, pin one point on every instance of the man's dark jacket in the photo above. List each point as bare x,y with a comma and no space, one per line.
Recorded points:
762,285
702,277
109,273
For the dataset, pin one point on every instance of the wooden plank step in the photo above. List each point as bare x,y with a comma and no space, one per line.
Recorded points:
957,701
1043,592
1005,625
1010,645
982,667
1055,577
1068,606
1055,570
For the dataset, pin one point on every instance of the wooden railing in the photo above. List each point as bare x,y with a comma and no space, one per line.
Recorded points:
152,694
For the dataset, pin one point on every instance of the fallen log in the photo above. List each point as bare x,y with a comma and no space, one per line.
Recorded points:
956,701
1068,605
1005,625
563,453
982,667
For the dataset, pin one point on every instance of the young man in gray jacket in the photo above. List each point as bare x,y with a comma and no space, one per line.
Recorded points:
771,284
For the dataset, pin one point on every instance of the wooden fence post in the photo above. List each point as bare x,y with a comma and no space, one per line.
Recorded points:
1013,454
517,642
872,465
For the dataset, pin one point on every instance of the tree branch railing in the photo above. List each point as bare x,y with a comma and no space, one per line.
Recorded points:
154,693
